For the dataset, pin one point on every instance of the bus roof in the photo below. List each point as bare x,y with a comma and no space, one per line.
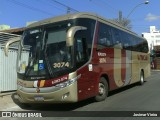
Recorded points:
81,15
63,17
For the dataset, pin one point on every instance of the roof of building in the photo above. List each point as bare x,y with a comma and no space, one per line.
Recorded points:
18,31
4,37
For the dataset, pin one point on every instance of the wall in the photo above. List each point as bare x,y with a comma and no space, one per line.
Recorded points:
8,75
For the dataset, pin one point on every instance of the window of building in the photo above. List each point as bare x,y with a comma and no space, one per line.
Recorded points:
157,36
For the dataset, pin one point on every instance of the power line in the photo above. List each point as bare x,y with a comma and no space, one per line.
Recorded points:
116,10
29,7
68,7
50,4
103,5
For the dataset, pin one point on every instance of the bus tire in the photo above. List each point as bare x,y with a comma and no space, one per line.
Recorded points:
141,78
103,90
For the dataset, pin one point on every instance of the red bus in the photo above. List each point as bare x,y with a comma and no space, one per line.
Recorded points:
77,56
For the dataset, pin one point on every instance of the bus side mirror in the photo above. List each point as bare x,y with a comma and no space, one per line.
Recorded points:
71,32
8,43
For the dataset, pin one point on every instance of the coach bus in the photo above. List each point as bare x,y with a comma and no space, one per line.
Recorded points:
77,56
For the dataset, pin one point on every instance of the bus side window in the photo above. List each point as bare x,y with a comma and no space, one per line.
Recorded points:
126,41
104,36
117,38
135,44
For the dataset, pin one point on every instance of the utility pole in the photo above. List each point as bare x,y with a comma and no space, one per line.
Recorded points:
120,16
68,10
123,21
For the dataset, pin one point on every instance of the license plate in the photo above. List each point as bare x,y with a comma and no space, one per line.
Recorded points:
38,98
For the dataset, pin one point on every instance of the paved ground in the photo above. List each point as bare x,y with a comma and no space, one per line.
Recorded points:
6,102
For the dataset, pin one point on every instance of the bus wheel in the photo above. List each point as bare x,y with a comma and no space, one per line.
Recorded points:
103,90
141,78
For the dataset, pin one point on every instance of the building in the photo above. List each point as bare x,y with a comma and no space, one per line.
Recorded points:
4,27
8,75
153,37
29,23
17,31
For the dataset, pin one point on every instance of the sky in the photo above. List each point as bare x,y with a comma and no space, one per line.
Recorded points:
16,13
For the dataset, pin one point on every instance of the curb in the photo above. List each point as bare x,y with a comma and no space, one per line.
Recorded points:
155,70
7,93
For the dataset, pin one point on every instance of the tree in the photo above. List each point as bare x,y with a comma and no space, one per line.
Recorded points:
123,21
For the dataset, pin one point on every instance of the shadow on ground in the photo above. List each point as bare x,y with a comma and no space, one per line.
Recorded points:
124,88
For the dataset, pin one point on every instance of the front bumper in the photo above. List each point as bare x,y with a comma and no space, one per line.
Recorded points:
63,95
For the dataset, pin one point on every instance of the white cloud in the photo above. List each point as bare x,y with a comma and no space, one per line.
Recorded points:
150,17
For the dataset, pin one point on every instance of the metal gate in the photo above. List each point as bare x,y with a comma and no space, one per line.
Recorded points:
8,75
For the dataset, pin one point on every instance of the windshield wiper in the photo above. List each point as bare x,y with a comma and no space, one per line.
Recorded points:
44,48
47,64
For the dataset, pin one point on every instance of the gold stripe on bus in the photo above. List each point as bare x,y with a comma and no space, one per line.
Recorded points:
117,67
135,68
128,67
42,83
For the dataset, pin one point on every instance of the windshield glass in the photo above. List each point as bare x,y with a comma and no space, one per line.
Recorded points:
57,53
44,52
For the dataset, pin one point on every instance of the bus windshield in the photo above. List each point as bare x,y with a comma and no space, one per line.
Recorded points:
44,53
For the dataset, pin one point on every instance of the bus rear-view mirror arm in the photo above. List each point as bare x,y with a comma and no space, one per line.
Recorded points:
71,32
8,43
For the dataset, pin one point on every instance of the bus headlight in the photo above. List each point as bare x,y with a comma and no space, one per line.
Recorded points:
67,83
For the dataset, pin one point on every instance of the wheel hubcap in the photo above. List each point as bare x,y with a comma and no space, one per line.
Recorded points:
142,79
101,89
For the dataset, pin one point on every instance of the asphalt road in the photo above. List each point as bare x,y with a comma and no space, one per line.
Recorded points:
130,98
